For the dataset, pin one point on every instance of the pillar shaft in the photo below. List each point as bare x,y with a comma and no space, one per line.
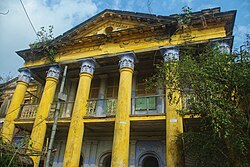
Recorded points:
174,124
174,127
17,100
76,130
12,114
39,127
120,149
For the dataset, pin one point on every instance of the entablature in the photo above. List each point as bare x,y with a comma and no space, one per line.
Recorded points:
138,32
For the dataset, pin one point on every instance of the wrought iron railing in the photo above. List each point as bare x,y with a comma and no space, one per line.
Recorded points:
65,110
28,111
101,107
144,105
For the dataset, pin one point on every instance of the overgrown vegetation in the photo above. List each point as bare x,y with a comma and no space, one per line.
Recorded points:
184,18
217,89
43,43
14,155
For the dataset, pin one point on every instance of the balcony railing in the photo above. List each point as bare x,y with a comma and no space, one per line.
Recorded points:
143,105
101,107
65,110
148,105
28,111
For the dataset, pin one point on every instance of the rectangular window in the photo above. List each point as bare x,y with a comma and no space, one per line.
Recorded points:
112,87
141,87
94,89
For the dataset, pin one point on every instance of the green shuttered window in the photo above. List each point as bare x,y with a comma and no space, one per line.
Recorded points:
145,103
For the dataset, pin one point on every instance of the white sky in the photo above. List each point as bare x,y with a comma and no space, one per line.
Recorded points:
16,32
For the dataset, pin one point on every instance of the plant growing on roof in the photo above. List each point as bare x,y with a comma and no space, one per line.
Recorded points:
43,44
184,18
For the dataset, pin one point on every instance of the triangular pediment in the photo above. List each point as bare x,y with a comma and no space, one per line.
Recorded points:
108,26
111,21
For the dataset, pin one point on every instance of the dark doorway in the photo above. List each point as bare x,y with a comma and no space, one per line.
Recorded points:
150,161
107,161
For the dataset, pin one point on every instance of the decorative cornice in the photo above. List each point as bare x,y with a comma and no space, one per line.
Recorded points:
24,76
170,54
88,66
223,45
127,60
53,72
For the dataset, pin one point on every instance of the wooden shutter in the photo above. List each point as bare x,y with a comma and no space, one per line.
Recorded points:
141,103
151,103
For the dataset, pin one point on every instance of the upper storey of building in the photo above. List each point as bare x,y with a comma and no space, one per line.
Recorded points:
113,31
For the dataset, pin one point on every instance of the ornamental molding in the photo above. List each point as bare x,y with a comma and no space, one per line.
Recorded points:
222,45
127,60
170,54
53,72
88,66
24,76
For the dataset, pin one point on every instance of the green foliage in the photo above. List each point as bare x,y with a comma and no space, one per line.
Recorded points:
43,43
14,155
184,18
218,87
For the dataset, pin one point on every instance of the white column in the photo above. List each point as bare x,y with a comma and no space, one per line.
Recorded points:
93,153
133,94
222,45
101,95
87,154
72,94
132,162
160,101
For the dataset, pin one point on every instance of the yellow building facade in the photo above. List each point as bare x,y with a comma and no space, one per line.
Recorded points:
107,118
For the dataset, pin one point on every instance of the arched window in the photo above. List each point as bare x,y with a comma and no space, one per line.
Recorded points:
150,161
105,160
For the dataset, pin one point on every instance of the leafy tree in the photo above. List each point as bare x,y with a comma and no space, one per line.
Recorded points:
43,43
216,87
14,155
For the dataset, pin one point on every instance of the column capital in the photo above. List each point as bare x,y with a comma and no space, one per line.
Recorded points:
53,72
24,76
88,66
223,45
170,53
127,60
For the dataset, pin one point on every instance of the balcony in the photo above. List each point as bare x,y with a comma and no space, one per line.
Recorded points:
28,111
142,105
101,107
65,110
